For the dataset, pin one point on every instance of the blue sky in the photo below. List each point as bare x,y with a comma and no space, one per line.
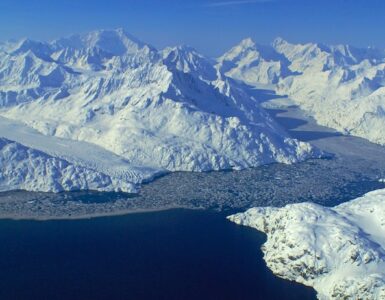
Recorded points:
211,26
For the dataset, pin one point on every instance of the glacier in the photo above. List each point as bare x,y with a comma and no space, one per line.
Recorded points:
159,111
340,251
29,169
175,109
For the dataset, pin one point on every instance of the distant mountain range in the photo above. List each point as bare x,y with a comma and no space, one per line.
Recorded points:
175,109
340,86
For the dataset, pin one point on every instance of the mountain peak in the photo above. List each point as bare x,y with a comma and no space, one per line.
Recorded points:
186,59
185,47
244,48
279,42
118,33
39,49
26,44
182,49
114,41
247,43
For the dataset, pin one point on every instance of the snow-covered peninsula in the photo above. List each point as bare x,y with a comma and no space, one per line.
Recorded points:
339,251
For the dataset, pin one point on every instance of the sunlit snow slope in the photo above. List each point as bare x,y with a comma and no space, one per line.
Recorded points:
158,110
342,87
340,251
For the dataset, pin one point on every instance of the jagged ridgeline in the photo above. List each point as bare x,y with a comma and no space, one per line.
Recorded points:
159,110
178,110
340,86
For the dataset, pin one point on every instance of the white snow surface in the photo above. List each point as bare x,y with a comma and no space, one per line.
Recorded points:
341,86
253,64
123,175
339,251
158,110
24,168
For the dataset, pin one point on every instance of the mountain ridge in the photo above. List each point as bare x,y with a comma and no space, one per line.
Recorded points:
340,86
168,110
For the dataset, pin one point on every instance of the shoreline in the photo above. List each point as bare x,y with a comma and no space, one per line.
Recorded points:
328,182
313,245
93,216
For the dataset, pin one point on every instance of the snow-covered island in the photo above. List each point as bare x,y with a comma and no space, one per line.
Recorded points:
340,251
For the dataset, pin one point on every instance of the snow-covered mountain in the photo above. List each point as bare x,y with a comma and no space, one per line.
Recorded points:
187,60
113,172
339,251
254,64
340,86
163,110
29,169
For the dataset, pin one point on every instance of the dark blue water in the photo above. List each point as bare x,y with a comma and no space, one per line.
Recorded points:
178,254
